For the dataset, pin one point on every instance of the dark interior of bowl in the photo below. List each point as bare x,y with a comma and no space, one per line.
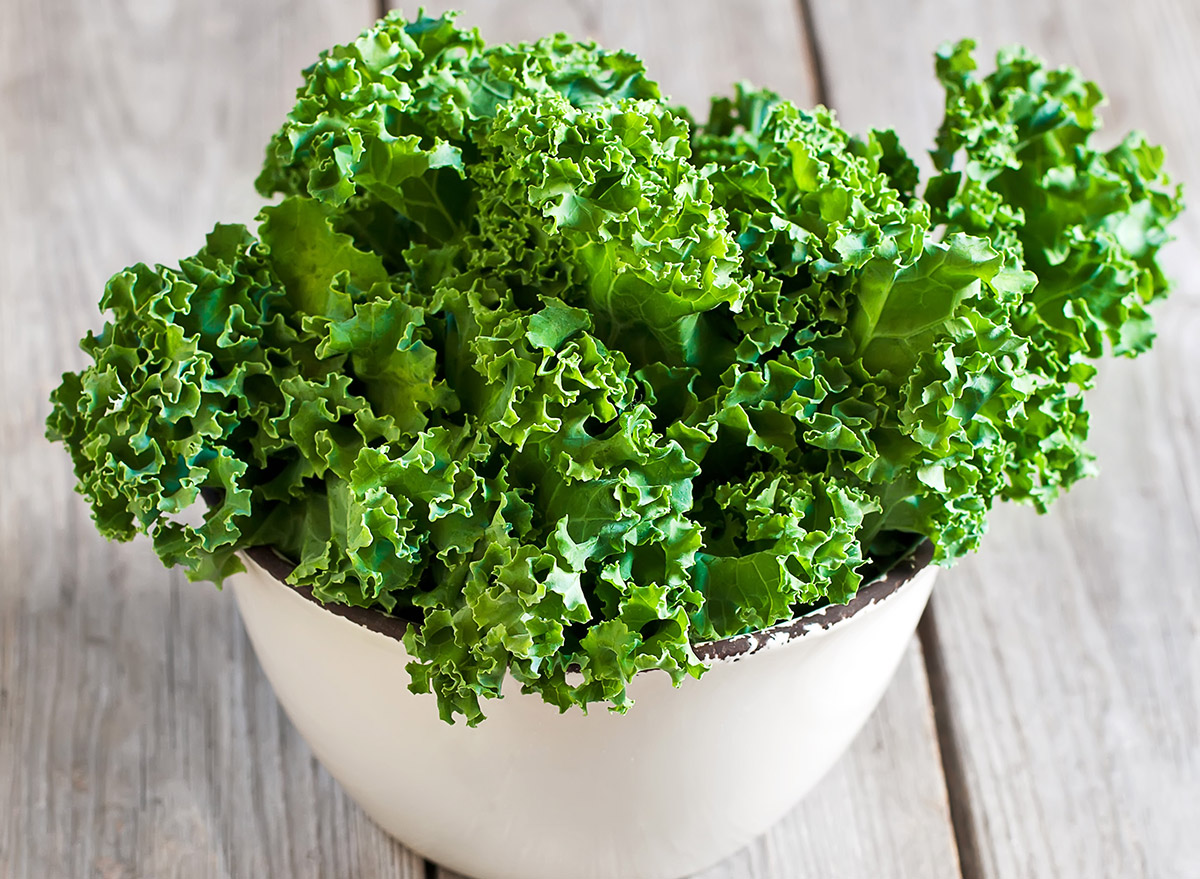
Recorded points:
727,648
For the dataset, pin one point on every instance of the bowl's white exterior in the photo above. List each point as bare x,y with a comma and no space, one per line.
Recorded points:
688,776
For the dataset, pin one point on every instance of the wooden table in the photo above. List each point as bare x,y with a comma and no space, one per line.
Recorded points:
1045,723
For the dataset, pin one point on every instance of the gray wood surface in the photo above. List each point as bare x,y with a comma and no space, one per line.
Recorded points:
138,737
882,810
1071,642
694,48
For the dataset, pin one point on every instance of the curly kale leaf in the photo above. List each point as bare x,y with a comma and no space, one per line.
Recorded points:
571,382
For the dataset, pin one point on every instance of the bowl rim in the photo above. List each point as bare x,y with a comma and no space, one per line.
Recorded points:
728,649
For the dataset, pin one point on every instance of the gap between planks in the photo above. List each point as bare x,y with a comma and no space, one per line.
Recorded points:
958,791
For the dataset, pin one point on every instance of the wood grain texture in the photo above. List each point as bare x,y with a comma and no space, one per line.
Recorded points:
1071,642
882,811
138,737
694,48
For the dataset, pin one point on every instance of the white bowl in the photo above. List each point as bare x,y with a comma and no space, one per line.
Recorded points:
685,778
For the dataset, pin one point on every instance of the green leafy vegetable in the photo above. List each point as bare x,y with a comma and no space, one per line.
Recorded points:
572,382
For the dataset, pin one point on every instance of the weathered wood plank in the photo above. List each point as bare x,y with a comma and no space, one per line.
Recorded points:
138,737
1071,643
882,810
694,48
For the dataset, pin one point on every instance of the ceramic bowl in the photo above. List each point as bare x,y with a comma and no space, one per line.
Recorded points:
685,778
